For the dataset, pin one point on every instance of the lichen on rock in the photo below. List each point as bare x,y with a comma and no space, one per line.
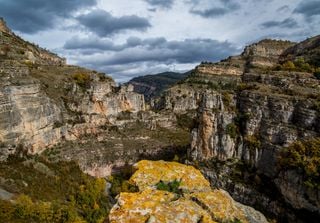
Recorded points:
197,203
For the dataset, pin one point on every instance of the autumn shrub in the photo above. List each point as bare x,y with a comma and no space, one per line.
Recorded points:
304,156
226,98
82,79
69,195
301,65
252,142
289,65
24,210
90,200
120,184
298,65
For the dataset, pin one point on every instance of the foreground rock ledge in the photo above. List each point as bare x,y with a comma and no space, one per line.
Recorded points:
196,203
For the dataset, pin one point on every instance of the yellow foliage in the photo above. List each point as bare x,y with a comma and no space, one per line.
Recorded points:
289,65
81,79
304,155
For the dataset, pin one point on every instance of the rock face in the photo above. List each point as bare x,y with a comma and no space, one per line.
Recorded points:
3,26
43,101
249,110
197,201
265,53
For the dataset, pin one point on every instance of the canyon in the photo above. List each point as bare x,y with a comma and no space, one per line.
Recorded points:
233,120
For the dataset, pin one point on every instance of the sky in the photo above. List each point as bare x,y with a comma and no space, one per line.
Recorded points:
126,38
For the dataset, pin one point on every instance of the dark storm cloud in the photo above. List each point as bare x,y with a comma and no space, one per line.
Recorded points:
308,8
161,50
287,23
31,16
160,3
99,44
92,44
225,7
104,24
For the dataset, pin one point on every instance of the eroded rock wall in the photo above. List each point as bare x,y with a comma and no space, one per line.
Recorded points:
34,119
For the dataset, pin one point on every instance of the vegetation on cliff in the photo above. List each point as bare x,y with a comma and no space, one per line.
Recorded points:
51,192
304,156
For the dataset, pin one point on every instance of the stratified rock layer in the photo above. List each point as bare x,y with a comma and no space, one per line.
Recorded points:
197,203
248,109
43,101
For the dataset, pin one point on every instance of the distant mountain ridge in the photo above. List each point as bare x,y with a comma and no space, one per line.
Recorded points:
154,84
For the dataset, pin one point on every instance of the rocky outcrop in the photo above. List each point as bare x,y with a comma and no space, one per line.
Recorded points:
265,53
3,26
192,201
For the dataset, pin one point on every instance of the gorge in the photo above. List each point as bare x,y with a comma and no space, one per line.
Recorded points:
249,123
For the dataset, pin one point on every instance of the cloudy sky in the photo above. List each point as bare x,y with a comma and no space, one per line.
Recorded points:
126,38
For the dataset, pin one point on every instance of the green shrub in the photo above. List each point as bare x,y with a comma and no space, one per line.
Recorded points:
232,130
172,186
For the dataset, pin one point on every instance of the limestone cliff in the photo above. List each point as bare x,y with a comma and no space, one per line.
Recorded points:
249,108
192,201
44,101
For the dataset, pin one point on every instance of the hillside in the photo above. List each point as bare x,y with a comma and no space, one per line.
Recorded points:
154,84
